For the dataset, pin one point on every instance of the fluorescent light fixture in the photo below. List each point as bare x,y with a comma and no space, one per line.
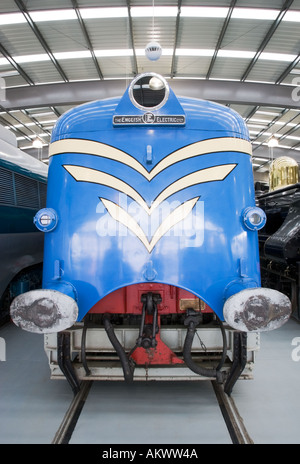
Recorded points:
33,136
12,18
257,81
91,13
224,79
49,121
28,147
260,120
53,15
190,77
194,52
49,82
27,124
259,126
147,11
236,54
255,13
292,137
269,113
203,12
282,123
72,55
36,115
8,73
261,159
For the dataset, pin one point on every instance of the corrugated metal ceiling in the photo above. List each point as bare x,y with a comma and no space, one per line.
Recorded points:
229,46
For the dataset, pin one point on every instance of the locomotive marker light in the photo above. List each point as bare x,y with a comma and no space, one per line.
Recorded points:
254,218
45,219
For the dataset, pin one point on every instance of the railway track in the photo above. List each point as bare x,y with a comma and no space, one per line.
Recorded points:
233,420
68,424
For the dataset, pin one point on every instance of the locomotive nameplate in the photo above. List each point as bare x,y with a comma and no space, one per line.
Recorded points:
148,118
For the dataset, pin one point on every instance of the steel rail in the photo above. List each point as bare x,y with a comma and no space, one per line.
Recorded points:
234,422
68,424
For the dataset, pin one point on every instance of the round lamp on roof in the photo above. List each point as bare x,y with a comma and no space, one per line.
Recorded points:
153,51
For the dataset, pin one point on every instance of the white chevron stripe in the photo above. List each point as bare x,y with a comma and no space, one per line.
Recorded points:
90,147
214,173
120,215
83,174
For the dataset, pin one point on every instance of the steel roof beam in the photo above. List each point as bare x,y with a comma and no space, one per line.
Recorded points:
87,38
135,66
74,93
14,129
40,38
176,38
16,65
251,113
220,39
282,127
267,38
287,71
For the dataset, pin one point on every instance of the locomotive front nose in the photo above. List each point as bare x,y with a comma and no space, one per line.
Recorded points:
257,310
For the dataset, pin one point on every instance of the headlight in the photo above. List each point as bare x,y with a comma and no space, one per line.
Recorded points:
46,219
254,218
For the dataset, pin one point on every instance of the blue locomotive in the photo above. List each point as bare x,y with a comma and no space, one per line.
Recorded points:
23,184
151,261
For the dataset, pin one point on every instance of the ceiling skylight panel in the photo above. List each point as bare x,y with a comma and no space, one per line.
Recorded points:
11,18
277,56
165,52
114,52
147,11
203,12
235,54
53,15
292,15
254,13
92,13
72,55
31,58
194,52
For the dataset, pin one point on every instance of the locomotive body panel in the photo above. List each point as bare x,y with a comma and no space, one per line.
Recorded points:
151,224
192,169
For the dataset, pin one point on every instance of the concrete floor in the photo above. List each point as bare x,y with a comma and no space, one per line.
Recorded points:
32,406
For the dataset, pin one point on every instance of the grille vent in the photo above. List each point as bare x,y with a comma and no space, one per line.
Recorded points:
6,187
22,191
